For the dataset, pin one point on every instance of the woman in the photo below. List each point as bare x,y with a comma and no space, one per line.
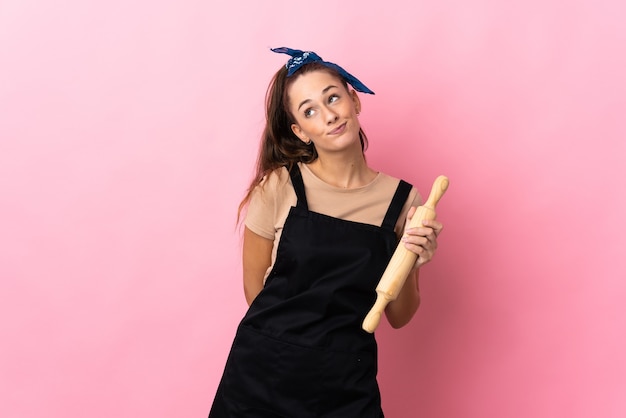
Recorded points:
320,228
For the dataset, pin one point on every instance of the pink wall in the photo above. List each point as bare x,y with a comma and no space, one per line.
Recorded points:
128,132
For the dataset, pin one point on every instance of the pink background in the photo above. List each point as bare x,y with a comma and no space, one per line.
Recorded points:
128,132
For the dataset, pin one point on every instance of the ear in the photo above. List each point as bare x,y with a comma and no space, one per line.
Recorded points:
298,132
356,101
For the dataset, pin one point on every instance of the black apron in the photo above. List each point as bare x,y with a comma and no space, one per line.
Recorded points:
300,351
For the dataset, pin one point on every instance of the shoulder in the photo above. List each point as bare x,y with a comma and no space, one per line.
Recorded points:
272,184
280,176
413,199
391,183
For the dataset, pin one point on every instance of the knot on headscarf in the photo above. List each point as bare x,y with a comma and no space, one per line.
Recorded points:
300,58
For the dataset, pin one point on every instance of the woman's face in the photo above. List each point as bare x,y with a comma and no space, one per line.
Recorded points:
325,112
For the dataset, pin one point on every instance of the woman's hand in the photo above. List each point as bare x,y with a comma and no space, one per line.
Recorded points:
421,240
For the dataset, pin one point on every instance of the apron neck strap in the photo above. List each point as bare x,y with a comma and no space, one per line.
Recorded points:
298,185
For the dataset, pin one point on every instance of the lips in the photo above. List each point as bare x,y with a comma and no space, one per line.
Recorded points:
339,129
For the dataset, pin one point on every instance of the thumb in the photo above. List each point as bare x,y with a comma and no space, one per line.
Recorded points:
409,215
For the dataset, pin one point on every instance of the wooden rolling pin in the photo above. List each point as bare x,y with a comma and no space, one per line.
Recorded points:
402,259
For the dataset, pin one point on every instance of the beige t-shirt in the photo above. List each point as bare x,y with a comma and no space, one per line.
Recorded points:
272,199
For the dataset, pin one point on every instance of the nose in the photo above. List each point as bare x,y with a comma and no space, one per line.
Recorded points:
331,116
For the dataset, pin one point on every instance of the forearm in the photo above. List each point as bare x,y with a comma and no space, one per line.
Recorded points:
251,291
400,311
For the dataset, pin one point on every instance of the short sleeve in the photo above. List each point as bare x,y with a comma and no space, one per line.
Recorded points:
265,204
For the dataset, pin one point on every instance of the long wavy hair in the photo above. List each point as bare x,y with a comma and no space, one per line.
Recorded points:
280,147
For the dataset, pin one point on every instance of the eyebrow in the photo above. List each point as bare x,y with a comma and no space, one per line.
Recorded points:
323,92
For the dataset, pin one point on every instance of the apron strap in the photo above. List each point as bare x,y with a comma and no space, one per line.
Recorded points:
397,203
298,186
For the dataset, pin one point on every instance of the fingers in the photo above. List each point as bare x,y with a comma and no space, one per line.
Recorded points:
423,240
435,225
432,223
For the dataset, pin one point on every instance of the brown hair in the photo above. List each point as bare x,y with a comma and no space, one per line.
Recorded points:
280,147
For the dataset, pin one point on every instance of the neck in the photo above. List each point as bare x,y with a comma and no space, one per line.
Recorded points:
341,171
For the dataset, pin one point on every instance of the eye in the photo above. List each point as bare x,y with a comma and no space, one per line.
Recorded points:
333,98
308,112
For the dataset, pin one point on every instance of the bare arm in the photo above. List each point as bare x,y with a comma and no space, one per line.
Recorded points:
400,311
257,257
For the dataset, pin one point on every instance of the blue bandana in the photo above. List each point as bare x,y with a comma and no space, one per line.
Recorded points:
299,58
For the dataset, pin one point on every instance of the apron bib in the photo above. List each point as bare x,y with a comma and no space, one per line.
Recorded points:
300,351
